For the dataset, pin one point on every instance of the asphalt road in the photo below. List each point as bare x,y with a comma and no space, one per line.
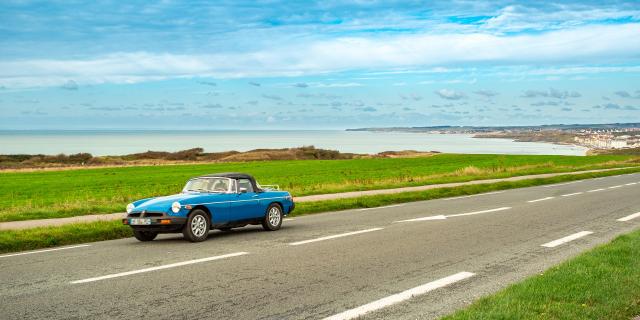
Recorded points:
416,260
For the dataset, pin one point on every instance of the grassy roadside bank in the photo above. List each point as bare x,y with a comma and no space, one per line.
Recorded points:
20,240
56,194
38,238
603,283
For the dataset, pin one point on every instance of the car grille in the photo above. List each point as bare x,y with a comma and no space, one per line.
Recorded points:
146,214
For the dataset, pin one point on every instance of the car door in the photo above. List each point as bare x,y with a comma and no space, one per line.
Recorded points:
246,206
219,206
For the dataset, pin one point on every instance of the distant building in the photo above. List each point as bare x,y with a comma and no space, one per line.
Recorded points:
607,140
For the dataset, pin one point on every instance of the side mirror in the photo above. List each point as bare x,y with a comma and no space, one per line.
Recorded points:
243,190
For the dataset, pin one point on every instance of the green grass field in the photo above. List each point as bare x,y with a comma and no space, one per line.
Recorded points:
603,283
49,194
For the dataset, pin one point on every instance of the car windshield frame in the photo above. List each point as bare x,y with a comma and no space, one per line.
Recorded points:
208,187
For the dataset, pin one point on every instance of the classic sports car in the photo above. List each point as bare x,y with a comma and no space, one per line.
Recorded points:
216,201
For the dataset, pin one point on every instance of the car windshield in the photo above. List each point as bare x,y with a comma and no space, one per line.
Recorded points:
219,185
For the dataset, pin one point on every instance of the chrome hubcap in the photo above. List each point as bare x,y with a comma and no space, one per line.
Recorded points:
198,226
274,216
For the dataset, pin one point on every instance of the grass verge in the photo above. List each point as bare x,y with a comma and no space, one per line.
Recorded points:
603,283
37,238
19,240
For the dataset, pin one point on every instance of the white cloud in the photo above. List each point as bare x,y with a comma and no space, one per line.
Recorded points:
585,70
586,44
486,93
450,94
70,85
515,18
335,85
551,93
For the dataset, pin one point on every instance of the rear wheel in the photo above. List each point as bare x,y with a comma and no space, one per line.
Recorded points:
144,235
197,227
273,218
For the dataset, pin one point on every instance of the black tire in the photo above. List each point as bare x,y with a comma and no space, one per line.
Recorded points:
272,218
144,235
197,227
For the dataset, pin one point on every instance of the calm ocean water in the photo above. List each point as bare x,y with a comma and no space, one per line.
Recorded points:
125,142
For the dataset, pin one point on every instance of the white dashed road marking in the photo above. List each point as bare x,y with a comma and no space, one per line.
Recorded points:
334,236
400,297
566,239
438,217
166,266
596,190
538,200
46,250
629,217
614,187
442,217
478,212
571,194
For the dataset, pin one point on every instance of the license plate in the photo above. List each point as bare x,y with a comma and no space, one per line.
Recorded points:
139,221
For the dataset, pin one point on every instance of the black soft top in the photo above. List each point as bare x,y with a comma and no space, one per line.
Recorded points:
234,175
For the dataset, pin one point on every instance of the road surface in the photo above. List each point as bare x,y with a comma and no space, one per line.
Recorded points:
415,260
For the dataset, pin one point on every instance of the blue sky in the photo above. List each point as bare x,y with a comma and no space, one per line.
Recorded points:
316,65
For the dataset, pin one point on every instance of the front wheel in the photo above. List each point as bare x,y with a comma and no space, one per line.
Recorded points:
197,227
144,235
273,219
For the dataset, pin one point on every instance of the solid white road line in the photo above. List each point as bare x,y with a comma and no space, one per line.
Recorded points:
478,212
560,184
595,190
46,250
543,199
166,266
566,239
288,219
400,297
473,195
334,236
629,217
391,206
443,217
571,194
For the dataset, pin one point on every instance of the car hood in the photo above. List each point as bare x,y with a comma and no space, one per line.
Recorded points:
164,203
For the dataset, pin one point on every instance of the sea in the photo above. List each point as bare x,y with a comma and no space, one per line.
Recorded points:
111,142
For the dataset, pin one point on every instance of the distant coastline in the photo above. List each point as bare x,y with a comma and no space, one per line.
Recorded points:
115,143
609,138
483,129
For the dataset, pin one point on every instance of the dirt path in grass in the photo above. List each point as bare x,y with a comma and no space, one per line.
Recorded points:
28,224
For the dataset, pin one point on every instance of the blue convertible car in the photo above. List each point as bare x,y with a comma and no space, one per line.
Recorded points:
216,201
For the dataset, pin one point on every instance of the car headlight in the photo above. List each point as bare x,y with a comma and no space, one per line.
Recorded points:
175,207
130,207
